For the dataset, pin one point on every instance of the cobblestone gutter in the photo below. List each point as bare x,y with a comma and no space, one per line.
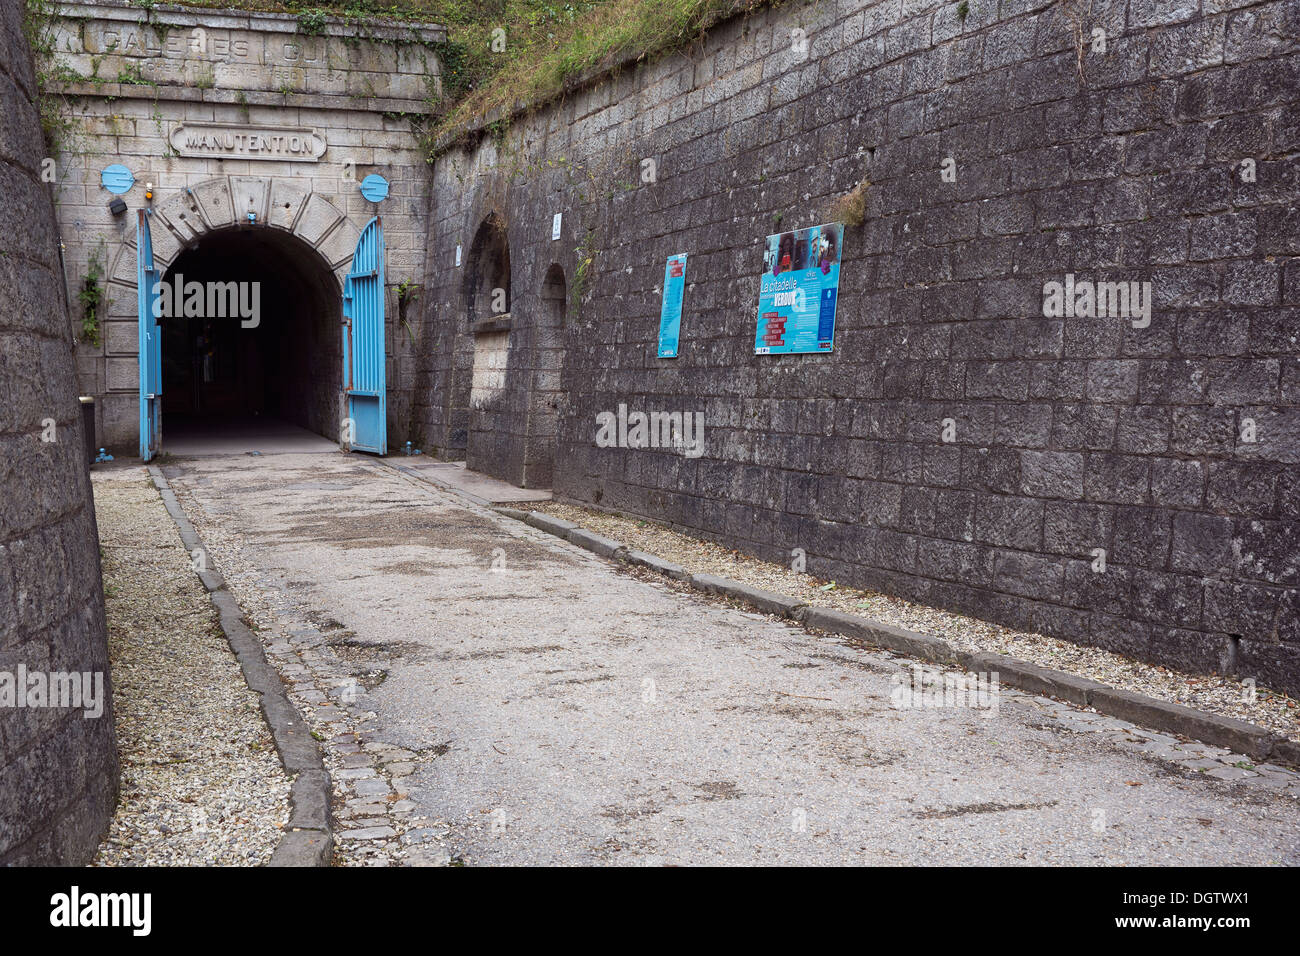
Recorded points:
326,672
308,841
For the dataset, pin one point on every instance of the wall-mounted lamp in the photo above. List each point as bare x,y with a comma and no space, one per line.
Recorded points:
116,206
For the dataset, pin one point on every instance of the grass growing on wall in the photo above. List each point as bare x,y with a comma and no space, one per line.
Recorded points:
547,43
607,33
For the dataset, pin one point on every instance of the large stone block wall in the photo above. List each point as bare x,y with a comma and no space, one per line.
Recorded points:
132,76
58,768
1071,434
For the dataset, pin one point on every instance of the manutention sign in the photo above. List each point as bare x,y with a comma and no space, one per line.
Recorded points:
292,143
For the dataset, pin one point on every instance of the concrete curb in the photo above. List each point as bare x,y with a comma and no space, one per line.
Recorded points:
431,479
556,526
767,601
605,547
1237,735
667,568
309,839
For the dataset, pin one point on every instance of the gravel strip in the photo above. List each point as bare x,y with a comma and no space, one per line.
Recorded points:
201,781
1215,695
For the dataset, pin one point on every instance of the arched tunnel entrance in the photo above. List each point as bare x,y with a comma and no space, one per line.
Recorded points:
249,375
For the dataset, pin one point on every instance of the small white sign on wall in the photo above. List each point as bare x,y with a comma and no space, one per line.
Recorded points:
458,255
555,227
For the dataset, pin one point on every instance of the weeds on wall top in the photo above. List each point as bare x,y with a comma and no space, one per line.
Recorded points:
312,22
602,35
506,51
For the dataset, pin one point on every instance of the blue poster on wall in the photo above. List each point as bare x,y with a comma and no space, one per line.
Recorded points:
796,298
670,314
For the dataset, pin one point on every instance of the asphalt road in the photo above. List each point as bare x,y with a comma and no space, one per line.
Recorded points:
557,708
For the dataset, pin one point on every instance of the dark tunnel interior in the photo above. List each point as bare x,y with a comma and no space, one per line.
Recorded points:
275,355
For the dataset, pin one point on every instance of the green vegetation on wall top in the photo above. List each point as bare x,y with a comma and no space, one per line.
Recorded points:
499,52
547,49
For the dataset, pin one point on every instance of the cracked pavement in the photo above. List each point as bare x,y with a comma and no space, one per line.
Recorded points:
488,694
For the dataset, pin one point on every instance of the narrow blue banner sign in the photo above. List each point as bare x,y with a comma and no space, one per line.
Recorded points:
670,314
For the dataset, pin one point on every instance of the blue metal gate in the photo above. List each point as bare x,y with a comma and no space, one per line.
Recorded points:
150,341
364,380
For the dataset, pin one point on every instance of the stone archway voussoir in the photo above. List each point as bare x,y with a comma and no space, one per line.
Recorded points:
214,198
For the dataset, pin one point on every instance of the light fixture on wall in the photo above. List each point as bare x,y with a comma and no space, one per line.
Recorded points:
148,191
117,206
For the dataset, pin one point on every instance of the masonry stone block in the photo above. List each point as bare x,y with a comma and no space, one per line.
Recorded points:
249,195
165,245
120,300
181,211
286,201
341,242
121,338
58,781
318,215
122,373
120,419
215,202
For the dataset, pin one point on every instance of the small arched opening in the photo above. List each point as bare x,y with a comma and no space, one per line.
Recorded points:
479,390
487,278
545,381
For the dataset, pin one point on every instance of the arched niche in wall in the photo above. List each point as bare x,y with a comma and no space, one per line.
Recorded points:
487,278
480,387
545,381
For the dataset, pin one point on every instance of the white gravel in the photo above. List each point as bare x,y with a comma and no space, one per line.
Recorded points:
1213,694
202,783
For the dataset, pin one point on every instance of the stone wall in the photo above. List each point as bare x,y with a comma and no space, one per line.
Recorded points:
138,81
58,768
1167,157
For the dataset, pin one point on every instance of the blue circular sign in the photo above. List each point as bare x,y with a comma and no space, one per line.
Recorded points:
374,187
117,179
